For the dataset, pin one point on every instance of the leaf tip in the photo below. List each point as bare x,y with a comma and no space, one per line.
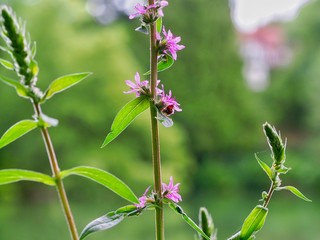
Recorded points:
107,140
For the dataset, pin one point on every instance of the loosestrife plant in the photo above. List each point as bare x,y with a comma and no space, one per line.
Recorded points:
21,53
163,53
149,94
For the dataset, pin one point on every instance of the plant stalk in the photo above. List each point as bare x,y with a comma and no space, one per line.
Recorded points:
269,194
156,158
56,173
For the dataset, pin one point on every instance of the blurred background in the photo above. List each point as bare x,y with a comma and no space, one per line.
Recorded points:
241,67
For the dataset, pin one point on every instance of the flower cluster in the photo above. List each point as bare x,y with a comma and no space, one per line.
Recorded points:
149,13
169,191
165,103
168,44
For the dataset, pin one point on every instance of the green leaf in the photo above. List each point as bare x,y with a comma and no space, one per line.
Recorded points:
166,62
109,220
17,131
187,219
159,24
102,223
125,116
15,175
21,89
6,64
254,222
127,209
283,170
295,191
104,178
63,83
265,167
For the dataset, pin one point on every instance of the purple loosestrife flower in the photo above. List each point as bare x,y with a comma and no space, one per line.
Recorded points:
142,200
170,191
139,88
148,12
168,103
161,5
169,45
141,10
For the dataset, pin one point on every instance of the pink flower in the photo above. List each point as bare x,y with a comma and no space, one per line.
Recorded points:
170,44
142,200
170,191
147,10
168,103
138,87
141,10
162,4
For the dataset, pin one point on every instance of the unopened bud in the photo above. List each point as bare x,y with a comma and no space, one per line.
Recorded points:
275,143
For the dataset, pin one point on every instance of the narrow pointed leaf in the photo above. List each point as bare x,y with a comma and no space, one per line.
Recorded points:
283,170
159,24
188,220
265,167
104,178
102,223
254,222
164,64
125,116
17,131
21,89
14,175
6,64
295,191
109,220
63,83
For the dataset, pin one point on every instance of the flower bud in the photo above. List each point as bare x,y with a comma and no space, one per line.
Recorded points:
206,223
14,34
275,143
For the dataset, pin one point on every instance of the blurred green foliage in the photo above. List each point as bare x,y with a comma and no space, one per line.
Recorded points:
210,149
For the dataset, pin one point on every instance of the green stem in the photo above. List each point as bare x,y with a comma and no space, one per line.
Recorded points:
56,173
274,184
157,173
156,159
